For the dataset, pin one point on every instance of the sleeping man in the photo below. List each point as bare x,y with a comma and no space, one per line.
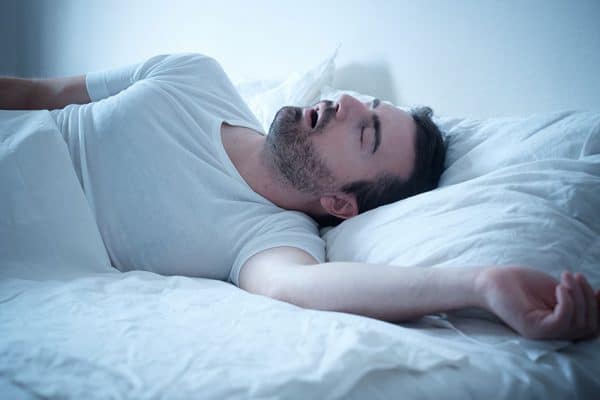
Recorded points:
182,180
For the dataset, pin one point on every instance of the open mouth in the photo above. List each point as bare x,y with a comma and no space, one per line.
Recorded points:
314,118
313,115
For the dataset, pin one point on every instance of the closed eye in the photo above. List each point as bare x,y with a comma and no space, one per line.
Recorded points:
362,132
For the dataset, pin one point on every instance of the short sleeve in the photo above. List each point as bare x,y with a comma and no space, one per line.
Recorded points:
103,84
294,230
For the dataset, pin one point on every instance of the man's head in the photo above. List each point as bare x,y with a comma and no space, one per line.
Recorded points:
355,156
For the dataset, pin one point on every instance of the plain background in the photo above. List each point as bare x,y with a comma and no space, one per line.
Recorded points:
476,58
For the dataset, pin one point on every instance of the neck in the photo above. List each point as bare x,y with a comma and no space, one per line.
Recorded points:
246,149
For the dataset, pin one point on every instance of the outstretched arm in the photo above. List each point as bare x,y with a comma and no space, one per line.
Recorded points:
39,94
531,302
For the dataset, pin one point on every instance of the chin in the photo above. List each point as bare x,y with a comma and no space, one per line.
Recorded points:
286,121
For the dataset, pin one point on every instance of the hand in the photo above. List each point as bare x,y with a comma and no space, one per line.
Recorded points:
538,306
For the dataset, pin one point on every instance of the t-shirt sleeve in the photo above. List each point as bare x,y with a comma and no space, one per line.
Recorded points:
293,230
172,67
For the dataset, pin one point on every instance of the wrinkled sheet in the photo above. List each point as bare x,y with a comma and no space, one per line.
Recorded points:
140,335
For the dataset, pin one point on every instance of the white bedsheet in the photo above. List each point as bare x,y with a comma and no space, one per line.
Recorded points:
139,335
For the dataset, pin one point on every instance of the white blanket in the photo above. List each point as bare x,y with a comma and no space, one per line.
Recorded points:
46,226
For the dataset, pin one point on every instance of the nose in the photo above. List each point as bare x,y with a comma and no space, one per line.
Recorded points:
349,107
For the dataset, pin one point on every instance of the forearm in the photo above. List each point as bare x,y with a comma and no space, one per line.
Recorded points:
17,93
39,94
381,291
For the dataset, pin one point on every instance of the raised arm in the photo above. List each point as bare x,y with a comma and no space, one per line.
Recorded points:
531,302
39,94
34,94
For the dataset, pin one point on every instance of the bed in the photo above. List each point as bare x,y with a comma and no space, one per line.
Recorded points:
515,190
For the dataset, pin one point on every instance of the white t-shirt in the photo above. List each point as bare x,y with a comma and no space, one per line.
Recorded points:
165,195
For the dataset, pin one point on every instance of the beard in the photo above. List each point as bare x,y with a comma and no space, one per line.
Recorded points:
290,151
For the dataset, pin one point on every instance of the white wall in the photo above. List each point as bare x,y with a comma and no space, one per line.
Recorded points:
468,58
9,13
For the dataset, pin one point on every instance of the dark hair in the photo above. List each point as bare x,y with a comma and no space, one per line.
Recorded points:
429,165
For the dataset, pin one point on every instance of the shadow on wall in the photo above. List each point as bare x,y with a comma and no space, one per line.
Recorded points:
371,79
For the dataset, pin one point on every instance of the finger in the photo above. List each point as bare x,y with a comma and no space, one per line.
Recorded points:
578,302
567,293
559,322
592,306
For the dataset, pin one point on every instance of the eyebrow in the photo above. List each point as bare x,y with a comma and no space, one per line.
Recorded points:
376,125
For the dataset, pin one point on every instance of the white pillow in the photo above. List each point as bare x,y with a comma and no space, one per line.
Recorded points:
265,98
330,93
515,190
46,226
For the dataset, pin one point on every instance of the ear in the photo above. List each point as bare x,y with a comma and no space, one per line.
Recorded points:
340,204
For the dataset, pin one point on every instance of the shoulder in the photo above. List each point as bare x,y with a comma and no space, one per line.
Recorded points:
287,220
288,228
180,66
196,60
183,59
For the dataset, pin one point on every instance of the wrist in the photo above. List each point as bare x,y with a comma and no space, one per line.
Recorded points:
482,279
463,287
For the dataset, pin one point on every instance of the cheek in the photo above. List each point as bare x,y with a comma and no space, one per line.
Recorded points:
346,163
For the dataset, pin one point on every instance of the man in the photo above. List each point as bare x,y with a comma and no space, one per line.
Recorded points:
182,180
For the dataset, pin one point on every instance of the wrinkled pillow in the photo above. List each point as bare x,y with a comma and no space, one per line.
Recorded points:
265,98
47,230
331,93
